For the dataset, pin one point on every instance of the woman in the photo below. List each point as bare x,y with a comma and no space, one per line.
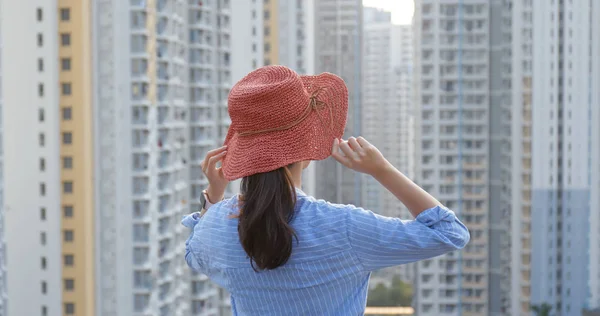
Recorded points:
279,251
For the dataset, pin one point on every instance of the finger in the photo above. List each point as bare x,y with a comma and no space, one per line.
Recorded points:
212,161
340,158
355,146
363,142
347,150
335,153
216,151
336,145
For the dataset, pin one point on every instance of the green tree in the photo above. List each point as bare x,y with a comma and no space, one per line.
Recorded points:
398,294
541,310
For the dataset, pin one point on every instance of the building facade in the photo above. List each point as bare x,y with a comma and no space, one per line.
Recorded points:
338,49
541,164
565,156
3,295
378,101
37,281
511,56
115,105
452,115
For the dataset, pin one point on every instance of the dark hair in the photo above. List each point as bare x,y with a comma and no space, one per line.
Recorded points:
268,201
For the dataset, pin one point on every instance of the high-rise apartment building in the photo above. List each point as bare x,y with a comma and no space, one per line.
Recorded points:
338,49
544,145
50,254
3,307
287,37
387,112
511,73
565,227
400,130
452,114
387,102
115,105
378,92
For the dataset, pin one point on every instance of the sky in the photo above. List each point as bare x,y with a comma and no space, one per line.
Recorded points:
402,10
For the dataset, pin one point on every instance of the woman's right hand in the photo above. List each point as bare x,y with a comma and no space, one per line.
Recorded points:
360,155
216,179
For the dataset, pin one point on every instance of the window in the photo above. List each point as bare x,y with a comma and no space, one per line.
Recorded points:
44,311
43,263
68,235
69,285
66,113
40,64
67,187
42,189
69,309
65,39
68,260
43,238
68,211
41,115
43,213
267,31
267,48
44,287
39,14
65,14
267,14
42,139
66,88
65,64
67,162
40,89
67,138
40,40
42,164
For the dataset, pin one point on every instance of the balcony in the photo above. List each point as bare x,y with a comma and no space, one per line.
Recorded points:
140,162
140,185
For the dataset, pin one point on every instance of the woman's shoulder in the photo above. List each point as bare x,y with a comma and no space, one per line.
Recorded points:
320,209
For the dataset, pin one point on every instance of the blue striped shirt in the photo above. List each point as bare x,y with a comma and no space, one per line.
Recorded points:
328,272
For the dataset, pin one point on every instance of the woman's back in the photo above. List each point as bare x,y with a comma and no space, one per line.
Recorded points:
328,272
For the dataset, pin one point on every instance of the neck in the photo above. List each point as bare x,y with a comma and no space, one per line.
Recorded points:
296,172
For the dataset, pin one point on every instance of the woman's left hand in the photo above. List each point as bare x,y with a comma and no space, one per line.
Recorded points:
216,179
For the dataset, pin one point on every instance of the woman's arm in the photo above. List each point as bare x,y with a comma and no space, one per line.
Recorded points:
363,157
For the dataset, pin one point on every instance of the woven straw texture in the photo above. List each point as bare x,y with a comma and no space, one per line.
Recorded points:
279,117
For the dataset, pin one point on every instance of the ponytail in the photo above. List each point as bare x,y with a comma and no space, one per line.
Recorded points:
268,201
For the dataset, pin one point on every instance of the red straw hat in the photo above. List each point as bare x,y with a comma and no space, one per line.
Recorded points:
279,117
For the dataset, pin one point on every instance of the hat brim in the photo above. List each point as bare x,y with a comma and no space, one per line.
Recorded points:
311,139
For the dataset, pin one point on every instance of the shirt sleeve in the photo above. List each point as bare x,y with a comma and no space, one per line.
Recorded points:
190,221
381,242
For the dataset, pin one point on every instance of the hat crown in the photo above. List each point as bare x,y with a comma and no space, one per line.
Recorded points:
268,97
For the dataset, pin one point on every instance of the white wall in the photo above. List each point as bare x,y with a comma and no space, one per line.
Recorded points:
22,153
